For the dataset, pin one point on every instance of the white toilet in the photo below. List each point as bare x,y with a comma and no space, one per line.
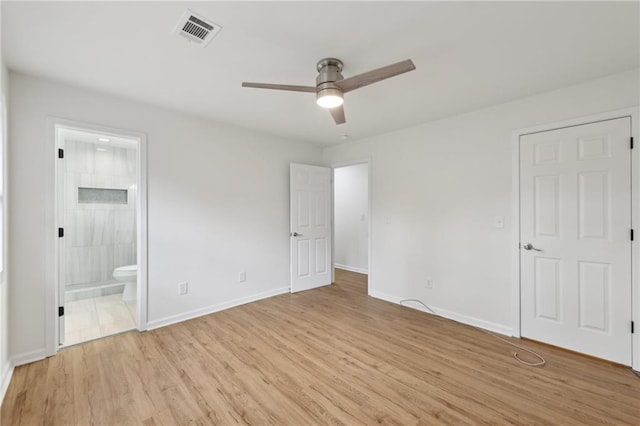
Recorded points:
129,276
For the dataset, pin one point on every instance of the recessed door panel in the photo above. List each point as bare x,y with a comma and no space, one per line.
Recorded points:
304,258
321,203
546,191
546,153
594,147
594,204
594,288
321,255
303,209
547,288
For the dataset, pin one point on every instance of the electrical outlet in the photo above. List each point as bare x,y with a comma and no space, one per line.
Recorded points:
183,288
242,277
429,283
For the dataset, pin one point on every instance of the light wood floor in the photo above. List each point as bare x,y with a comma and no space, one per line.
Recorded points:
325,356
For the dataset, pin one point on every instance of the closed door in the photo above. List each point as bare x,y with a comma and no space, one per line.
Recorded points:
310,227
575,243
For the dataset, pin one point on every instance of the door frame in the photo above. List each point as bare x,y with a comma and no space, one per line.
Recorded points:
634,115
52,294
338,165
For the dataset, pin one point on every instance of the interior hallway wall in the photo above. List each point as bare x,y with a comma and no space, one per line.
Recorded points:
351,217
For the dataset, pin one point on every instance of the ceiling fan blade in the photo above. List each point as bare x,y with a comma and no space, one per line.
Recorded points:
370,77
338,114
280,87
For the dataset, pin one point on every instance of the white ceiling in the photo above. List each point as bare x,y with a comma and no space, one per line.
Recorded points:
468,55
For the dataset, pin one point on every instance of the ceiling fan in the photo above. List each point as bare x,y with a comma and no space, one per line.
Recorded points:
331,85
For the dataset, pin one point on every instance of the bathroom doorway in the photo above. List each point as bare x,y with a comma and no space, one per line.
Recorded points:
98,180
351,223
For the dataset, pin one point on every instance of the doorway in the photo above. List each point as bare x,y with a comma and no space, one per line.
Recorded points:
576,238
351,219
99,215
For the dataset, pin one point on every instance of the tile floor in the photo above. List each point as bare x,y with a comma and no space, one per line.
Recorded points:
96,317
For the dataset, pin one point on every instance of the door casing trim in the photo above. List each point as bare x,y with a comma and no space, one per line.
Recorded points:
52,220
634,114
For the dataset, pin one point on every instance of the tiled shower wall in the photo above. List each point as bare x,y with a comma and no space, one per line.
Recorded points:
99,237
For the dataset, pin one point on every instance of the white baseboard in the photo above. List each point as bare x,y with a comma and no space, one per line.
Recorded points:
351,268
15,361
214,308
28,357
464,319
6,379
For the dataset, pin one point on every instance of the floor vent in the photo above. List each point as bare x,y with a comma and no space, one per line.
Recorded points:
196,28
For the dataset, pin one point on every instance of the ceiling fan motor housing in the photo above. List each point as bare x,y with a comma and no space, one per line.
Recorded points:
328,73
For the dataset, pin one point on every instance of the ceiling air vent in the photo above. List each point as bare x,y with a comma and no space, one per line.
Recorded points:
196,28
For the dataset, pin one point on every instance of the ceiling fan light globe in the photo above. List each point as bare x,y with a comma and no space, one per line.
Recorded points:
329,98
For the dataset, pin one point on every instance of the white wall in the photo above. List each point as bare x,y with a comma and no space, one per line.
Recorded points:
351,217
5,365
436,189
218,204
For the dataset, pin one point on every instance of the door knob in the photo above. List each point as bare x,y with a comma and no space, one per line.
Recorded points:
529,246
295,234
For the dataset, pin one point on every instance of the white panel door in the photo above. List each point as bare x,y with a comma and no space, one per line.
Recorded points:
575,246
310,227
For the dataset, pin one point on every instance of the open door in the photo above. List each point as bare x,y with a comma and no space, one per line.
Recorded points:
310,226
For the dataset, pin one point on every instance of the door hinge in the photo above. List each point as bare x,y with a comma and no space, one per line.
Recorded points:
631,142
632,235
60,232
632,328
60,311
60,153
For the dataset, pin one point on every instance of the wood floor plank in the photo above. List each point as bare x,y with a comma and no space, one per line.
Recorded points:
326,356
